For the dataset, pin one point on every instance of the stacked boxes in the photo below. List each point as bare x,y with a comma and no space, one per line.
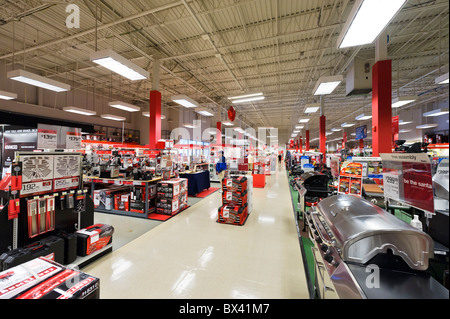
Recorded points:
234,209
44,279
171,196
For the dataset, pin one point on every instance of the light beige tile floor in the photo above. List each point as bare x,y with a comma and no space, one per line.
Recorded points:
192,256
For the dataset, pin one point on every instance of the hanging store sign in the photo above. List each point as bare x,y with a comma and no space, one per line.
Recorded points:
407,178
361,132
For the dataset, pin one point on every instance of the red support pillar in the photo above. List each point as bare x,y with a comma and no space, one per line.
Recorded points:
323,138
219,133
382,107
361,143
301,144
155,119
307,141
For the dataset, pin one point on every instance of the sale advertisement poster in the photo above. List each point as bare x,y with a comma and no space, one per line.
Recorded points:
407,178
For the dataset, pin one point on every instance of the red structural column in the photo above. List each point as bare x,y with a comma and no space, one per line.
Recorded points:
155,119
301,144
322,135
361,143
219,133
307,141
382,107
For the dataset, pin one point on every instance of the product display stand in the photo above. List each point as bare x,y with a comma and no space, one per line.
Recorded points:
148,205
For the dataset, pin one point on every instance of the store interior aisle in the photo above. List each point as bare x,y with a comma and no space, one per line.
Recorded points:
193,256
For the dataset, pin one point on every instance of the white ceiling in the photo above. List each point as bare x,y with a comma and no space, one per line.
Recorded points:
212,49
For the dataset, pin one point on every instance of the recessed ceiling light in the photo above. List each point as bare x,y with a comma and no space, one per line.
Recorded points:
347,125
303,121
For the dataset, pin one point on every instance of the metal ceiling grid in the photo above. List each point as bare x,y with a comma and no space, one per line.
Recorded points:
211,49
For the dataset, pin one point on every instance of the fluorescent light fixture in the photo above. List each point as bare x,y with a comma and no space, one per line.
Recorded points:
403,100
336,129
240,97
401,122
303,120
367,19
147,114
425,126
7,95
404,131
124,106
37,80
347,124
326,84
443,79
227,123
78,110
185,101
113,117
204,112
328,133
118,64
312,108
250,99
295,132
436,112
189,125
299,127
363,117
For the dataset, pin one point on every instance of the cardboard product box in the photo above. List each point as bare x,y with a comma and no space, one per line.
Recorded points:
18,279
234,184
234,198
171,188
122,201
93,238
104,198
68,284
232,214
137,206
51,248
167,206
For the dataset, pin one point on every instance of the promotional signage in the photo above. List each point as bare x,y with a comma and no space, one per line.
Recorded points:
17,139
350,179
407,178
361,132
47,139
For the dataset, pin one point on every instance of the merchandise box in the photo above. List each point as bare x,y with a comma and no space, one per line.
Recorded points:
232,214
104,198
234,184
68,284
234,198
167,206
93,238
122,201
169,187
18,279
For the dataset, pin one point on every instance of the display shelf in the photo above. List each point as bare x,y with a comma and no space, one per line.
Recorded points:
82,262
